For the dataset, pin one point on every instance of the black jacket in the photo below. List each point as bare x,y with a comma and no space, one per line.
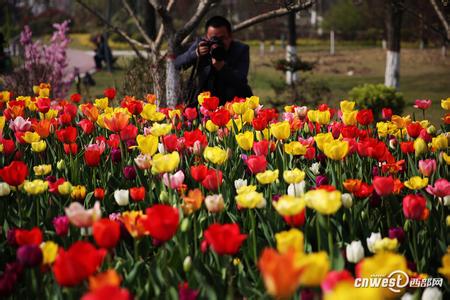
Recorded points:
227,83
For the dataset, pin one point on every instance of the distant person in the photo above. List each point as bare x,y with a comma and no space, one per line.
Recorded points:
102,52
220,63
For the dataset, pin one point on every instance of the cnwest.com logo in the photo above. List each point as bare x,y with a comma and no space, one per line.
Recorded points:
396,281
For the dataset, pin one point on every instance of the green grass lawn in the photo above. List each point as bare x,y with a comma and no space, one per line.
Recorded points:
424,74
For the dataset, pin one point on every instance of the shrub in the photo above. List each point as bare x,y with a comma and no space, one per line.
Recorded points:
376,97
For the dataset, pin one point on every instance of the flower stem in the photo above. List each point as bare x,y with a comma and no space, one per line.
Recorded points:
253,231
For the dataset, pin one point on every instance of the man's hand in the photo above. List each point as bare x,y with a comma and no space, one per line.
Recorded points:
217,64
202,49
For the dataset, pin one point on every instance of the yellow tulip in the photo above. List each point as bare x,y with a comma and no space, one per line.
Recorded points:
174,113
322,139
165,163
160,129
252,102
289,240
385,244
280,130
31,137
2,122
315,267
445,104
324,202
4,96
201,97
349,117
234,122
295,148
401,122
42,169
101,103
38,146
336,149
150,113
65,188
51,114
293,176
215,155
246,189
35,187
248,116
416,183
250,199
147,144
347,106
346,290
267,177
245,140
211,127
420,146
239,107
439,142
289,205
446,158
381,265
78,192
321,117
49,252
262,135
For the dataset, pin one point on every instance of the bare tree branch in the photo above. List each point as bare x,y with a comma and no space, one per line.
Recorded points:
159,37
202,9
166,19
137,22
132,42
441,18
301,5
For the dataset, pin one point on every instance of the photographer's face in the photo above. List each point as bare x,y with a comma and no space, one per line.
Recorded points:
221,33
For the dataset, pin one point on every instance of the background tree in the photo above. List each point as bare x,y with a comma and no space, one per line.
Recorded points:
394,14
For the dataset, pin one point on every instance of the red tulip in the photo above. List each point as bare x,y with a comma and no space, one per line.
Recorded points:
106,233
256,163
108,292
76,264
190,137
129,132
75,98
170,142
297,220
364,117
310,153
415,207
262,147
137,193
220,117
15,173
199,172
422,104
212,180
364,190
190,113
211,103
161,222
414,129
99,193
8,146
110,93
43,105
28,237
259,123
133,106
224,239
92,155
384,186
67,135
407,147
386,113
87,126
71,148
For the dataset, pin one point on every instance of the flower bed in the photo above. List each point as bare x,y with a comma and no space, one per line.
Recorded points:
135,200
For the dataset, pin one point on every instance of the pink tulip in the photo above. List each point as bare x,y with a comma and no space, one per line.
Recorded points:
427,167
176,180
441,188
20,124
81,217
422,104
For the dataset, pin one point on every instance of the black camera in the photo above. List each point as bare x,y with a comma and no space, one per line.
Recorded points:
216,48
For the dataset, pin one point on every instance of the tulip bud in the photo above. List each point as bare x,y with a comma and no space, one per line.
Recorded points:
431,130
61,165
184,225
164,197
347,200
122,197
187,264
4,189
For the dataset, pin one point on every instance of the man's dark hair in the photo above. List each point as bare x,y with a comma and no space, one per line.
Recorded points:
218,21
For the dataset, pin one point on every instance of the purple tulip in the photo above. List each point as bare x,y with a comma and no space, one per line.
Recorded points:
61,225
129,172
321,180
130,143
29,255
397,233
11,237
116,156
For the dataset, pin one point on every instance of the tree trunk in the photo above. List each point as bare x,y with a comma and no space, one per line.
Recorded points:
393,28
149,16
291,49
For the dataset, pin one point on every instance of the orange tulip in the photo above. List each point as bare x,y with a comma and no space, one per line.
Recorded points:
107,278
90,111
132,222
352,185
43,128
117,121
279,272
193,201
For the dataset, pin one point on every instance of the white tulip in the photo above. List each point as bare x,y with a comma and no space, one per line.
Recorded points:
122,197
315,168
432,293
296,189
354,252
374,237
238,183
214,203
347,200
4,189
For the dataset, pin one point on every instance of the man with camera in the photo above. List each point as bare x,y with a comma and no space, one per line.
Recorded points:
220,64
